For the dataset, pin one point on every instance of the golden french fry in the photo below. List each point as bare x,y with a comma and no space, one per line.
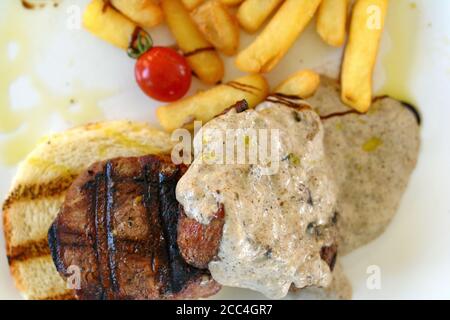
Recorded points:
278,36
332,21
218,26
231,2
252,13
361,52
302,84
205,105
107,23
192,4
145,13
201,55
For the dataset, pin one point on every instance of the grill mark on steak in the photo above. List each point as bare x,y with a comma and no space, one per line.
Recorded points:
54,249
118,224
151,201
166,215
169,211
98,249
111,251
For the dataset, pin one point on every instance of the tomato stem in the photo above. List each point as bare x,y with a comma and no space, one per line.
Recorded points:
141,45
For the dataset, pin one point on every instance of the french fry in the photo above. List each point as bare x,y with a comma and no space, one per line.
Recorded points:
205,105
278,36
108,24
252,13
332,21
231,2
302,84
145,13
218,26
191,4
201,56
361,52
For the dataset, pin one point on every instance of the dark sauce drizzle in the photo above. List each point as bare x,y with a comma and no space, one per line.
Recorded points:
30,5
414,111
107,4
288,102
408,106
243,87
287,96
339,114
194,52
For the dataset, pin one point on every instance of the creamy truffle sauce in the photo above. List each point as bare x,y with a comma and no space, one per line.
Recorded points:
365,152
275,225
372,157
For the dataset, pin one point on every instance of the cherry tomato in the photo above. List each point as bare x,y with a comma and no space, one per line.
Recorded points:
163,74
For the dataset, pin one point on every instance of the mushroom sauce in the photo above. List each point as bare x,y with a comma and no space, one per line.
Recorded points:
276,223
334,165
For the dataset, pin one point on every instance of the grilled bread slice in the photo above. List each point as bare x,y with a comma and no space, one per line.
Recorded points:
39,188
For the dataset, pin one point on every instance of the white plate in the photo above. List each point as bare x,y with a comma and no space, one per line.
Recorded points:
412,254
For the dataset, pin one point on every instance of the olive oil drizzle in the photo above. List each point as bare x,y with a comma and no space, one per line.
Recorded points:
22,126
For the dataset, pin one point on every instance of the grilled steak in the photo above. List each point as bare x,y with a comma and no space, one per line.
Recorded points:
329,255
199,244
118,228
